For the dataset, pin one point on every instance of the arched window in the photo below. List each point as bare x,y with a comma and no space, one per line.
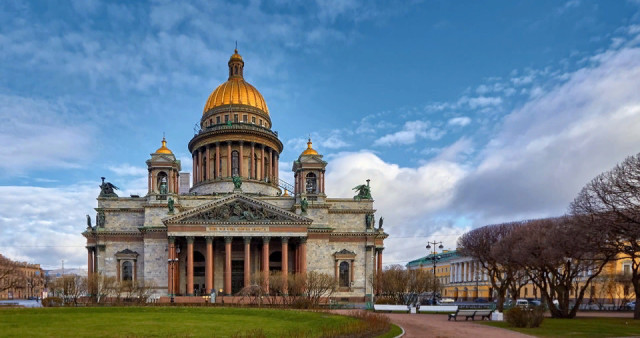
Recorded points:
311,183
162,183
344,274
127,271
235,161
204,168
255,167
265,170
236,70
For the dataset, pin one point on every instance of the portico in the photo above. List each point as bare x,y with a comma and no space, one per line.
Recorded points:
233,243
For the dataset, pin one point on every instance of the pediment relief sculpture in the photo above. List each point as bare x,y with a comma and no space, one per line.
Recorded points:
237,211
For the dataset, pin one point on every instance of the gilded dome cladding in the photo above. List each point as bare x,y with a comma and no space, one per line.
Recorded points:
236,91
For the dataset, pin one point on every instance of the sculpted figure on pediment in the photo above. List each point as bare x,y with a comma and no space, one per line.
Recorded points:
237,212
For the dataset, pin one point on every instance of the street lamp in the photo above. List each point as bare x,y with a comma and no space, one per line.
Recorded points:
434,258
171,262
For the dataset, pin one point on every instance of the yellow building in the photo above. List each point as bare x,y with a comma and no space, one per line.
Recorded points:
463,279
29,278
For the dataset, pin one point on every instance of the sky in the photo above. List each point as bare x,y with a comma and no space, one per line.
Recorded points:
462,113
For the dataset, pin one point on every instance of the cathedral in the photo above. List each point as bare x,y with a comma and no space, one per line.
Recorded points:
238,222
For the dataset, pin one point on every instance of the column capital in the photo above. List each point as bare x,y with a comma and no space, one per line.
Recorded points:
209,239
190,239
285,240
252,143
247,239
265,240
241,142
228,239
217,143
303,240
172,239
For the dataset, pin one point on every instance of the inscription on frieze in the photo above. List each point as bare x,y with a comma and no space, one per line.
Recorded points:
239,229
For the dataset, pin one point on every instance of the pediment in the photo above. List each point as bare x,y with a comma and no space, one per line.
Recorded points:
237,209
162,158
312,159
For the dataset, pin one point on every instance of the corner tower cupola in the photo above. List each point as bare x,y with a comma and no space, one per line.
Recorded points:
236,66
164,171
309,170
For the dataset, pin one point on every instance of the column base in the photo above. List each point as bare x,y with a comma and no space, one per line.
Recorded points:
190,294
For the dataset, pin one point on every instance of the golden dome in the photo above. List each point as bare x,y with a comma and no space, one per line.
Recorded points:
163,149
309,150
236,90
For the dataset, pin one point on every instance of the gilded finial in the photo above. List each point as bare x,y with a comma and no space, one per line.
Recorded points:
309,150
164,149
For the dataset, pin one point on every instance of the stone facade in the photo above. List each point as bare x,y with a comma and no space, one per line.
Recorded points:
238,220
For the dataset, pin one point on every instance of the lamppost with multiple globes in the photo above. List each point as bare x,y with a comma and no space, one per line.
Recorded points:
172,262
434,258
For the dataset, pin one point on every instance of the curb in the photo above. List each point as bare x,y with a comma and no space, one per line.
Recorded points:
402,334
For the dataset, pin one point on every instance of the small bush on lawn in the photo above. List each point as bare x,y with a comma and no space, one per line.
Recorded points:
52,302
525,317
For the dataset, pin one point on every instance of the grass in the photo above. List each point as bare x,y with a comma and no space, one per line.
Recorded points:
580,327
393,332
163,322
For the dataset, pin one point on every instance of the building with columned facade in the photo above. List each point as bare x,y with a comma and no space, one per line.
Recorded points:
238,221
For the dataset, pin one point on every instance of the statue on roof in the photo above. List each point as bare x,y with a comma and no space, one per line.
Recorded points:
107,189
364,192
170,204
237,182
304,204
88,222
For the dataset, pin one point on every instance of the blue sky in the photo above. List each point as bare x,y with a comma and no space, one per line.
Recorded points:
462,113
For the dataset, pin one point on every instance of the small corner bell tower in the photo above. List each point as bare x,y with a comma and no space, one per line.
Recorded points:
309,171
164,171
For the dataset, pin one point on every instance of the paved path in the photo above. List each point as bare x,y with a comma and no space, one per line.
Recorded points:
424,325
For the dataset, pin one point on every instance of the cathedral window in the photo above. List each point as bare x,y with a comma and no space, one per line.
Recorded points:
236,70
245,118
162,182
204,168
127,271
344,274
311,183
235,118
253,119
217,119
226,118
235,161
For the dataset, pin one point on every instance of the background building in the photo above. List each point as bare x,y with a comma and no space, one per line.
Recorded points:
20,280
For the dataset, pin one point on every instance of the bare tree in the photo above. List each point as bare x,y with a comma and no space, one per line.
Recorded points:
396,283
71,288
487,245
611,203
11,276
561,257
319,286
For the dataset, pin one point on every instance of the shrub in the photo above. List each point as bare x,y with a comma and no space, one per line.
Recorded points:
385,300
52,302
525,317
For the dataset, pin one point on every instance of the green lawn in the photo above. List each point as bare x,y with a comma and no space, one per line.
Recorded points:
580,327
162,322
393,332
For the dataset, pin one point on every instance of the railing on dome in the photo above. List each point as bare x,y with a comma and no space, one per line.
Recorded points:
235,126
285,185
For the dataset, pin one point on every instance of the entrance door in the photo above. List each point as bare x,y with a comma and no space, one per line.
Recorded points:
237,276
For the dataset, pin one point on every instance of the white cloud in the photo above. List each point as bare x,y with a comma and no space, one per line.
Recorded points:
38,134
459,121
410,133
43,225
126,169
406,197
548,149
484,101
